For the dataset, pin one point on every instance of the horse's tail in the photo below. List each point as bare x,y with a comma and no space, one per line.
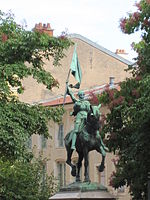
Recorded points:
68,139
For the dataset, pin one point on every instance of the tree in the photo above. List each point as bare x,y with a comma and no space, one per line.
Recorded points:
25,180
18,121
128,122
22,54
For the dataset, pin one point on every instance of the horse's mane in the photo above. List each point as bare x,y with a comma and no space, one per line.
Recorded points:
93,116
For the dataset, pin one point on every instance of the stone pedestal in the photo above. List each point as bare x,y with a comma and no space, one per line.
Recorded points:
84,191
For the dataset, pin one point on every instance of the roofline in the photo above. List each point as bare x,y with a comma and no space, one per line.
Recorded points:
59,100
99,47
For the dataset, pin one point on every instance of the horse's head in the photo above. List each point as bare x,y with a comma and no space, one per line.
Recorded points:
93,116
95,111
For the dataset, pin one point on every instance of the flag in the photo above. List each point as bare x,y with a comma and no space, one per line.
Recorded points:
76,69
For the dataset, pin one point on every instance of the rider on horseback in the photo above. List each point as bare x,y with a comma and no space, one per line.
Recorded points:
86,123
81,108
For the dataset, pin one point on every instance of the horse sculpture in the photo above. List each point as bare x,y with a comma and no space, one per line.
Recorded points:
87,140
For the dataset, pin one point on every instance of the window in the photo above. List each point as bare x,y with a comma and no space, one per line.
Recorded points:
61,135
42,142
61,173
101,177
29,143
44,169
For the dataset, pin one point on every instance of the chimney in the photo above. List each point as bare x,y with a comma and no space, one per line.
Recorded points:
48,26
111,82
122,53
44,28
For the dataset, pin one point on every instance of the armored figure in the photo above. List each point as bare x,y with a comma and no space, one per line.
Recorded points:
81,108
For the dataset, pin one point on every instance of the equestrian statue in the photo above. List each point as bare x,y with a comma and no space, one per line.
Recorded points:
85,136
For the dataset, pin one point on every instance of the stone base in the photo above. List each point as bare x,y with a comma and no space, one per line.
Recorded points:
83,191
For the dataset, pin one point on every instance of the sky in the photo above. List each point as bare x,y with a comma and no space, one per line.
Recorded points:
97,20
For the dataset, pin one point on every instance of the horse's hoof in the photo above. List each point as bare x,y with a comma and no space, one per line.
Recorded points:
73,171
101,168
78,179
87,180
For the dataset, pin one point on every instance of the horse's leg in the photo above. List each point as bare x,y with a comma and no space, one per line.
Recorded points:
79,165
86,166
102,165
68,161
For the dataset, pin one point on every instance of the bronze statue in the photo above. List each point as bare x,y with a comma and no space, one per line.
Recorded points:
81,108
85,137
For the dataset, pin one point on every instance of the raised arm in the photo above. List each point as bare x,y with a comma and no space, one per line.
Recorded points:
69,91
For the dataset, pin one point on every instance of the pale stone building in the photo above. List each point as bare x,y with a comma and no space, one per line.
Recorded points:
99,67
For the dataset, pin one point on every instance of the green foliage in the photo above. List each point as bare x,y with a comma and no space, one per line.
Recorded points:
24,181
21,55
128,122
128,126
19,47
18,121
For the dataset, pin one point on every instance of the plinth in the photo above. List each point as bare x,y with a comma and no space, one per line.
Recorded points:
84,191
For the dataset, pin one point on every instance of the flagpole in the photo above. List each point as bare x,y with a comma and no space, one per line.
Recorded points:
67,80
76,72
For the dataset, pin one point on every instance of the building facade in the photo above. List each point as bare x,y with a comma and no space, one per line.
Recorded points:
99,68
97,63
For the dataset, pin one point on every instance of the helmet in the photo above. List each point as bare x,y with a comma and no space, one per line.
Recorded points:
81,94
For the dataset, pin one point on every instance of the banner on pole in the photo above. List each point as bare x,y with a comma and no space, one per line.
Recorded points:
76,69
